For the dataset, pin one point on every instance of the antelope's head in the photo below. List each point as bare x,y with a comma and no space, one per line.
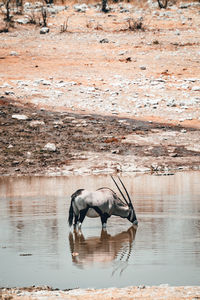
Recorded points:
132,216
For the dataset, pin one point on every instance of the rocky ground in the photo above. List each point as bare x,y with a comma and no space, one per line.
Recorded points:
141,292
113,92
37,141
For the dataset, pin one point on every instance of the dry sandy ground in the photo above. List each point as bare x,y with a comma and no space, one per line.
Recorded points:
101,97
66,83
145,293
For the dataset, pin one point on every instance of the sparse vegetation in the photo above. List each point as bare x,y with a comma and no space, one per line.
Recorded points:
135,25
98,27
7,16
64,26
104,6
49,1
19,6
7,12
32,18
162,3
44,16
5,29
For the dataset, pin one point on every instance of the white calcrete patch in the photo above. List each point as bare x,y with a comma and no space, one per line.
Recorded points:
50,147
19,117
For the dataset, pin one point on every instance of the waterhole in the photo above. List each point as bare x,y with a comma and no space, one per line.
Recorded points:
38,248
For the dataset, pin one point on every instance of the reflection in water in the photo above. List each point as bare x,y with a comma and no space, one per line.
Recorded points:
34,234
102,249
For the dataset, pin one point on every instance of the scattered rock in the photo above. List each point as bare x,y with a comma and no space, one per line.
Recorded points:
184,5
196,88
143,68
50,147
183,130
80,7
46,82
36,123
14,53
44,30
9,93
173,154
23,21
104,41
128,59
19,117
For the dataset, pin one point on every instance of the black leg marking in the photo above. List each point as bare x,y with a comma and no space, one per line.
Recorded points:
75,220
104,218
83,213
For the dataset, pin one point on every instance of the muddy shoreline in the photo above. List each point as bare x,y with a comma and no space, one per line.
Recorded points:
41,142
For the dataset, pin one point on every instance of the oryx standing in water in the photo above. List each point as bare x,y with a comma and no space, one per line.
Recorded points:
102,203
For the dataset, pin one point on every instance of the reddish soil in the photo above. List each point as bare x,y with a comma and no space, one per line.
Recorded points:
109,97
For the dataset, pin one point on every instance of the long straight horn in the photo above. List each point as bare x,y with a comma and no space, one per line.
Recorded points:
119,189
129,198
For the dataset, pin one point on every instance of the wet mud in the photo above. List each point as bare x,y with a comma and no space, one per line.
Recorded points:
26,132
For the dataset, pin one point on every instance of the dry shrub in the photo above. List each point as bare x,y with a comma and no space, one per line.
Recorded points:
135,25
64,26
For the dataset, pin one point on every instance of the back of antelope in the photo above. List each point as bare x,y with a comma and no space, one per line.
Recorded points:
102,203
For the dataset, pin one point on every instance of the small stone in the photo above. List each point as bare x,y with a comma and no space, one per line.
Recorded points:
115,151
36,123
196,88
14,53
44,30
143,68
104,41
19,117
173,154
183,130
50,147
177,32
23,21
7,93
46,82
141,287
81,7
184,5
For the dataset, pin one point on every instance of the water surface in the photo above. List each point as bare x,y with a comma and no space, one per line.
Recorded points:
37,247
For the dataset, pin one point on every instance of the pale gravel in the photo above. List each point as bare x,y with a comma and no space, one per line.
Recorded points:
142,292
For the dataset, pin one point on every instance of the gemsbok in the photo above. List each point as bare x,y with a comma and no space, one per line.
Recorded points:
102,203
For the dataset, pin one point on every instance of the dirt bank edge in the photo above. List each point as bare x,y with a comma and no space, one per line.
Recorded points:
40,142
140,292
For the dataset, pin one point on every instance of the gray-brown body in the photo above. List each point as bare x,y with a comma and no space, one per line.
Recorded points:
101,203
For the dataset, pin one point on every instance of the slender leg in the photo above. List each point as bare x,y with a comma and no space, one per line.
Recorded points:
75,221
104,218
83,213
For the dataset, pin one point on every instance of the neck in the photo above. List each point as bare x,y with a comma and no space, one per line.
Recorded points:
122,211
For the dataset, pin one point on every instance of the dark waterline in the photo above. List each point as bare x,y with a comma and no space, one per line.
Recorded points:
37,247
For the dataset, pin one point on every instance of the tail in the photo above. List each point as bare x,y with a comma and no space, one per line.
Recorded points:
71,210
71,215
